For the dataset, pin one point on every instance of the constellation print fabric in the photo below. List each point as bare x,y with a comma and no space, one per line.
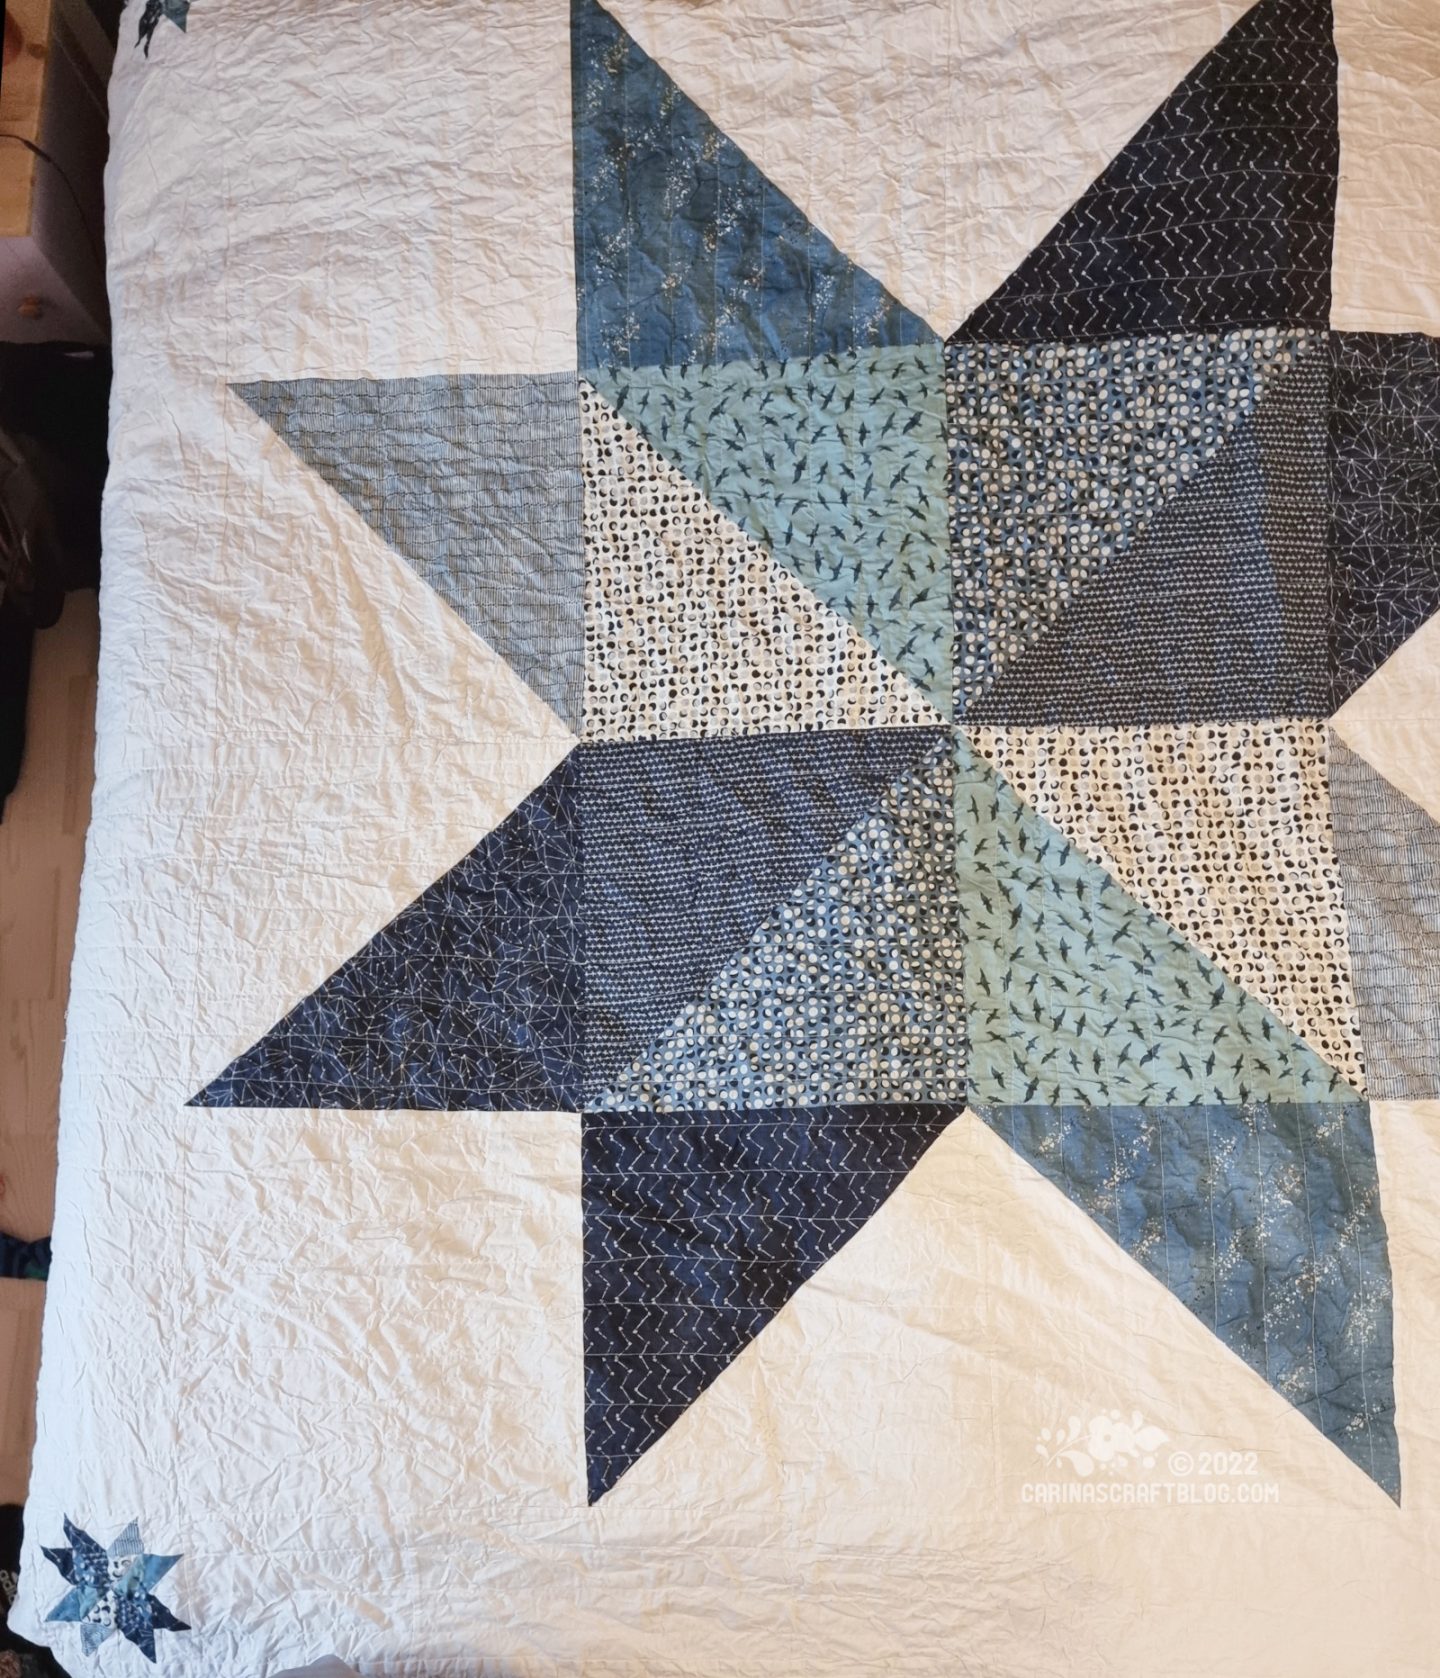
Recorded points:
757,989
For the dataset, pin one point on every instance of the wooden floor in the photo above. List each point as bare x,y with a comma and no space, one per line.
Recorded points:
42,841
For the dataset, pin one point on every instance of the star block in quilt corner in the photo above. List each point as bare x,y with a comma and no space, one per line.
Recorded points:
112,1590
952,735
154,11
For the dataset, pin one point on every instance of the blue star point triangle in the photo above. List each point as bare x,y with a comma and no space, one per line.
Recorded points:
699,1227
470,997
1282,1254
1385,462
684,251
1219,212
1388,849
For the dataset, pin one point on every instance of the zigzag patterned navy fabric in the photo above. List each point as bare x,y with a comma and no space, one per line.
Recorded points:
698,1228
1220,212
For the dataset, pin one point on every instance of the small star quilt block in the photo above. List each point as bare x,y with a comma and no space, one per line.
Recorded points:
112,1590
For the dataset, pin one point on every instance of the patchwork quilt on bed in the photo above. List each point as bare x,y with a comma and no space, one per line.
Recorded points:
759,982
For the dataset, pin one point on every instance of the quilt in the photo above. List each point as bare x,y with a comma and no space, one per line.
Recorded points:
758,988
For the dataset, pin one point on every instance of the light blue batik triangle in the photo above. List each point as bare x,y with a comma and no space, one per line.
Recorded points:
684,251
475,481
1265,1221
836,465
1077,995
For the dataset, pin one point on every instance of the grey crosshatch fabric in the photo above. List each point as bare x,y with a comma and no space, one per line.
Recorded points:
1389,851
684,250
475,479
1292,439
1385,455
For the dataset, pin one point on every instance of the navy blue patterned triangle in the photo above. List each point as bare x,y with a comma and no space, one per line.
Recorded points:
1219,212
1217,611
698,1228
689,844
1385,460
684,251
1264,1220
470,997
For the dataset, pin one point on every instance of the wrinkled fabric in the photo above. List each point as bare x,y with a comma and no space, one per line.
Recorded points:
930,1331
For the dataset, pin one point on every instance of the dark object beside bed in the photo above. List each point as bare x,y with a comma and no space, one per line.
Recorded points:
53,410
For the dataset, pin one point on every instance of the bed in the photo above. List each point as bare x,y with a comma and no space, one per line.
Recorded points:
758,982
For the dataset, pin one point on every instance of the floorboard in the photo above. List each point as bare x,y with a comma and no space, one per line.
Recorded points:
42,843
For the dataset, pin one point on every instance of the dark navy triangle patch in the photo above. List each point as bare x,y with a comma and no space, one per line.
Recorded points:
698,1228
1385,456
1217,612
1219,212
684,251
470,997
689,845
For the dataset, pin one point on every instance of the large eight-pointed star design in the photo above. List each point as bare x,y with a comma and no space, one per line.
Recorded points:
951,735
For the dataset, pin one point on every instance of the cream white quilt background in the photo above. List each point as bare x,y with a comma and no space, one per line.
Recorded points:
334,1359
